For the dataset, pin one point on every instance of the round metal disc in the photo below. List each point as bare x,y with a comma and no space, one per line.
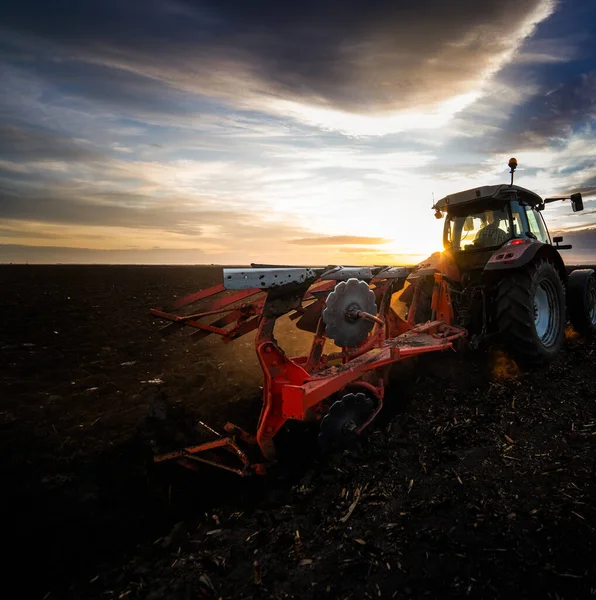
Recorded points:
348,296
344,417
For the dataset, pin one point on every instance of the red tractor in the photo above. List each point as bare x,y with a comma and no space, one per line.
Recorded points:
508,283
500,280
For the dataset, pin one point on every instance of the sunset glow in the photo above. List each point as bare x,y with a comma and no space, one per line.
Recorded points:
204,132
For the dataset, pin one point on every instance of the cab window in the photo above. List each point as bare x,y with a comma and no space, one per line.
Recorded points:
518,219
478,229
536,225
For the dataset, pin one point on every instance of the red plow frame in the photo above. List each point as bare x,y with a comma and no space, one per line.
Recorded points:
299,388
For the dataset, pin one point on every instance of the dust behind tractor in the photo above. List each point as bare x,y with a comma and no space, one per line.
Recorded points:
500,280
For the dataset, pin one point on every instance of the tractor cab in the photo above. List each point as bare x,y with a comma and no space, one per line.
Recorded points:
484,219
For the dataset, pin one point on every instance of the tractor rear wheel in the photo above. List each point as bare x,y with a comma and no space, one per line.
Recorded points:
531,313
581,300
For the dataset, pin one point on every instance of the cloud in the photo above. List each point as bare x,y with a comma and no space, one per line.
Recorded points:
16,253
12,232
339,240
378,57
587,188
221,124
555,114
79,205
18,143
119,89
583,241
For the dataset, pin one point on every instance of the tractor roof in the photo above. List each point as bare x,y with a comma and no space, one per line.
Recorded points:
488,192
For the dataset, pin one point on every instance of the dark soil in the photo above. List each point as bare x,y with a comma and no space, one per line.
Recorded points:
473,483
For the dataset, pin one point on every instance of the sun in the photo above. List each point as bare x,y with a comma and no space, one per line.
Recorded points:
417,241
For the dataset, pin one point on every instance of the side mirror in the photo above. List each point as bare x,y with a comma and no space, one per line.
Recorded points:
577,203
558,239
469,224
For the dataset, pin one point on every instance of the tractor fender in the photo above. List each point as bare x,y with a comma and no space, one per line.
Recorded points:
521,253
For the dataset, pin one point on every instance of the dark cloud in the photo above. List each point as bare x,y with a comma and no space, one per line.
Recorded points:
353,55
21,143
583,242
559,112
586,188
339,240
87,204
129,93
549,117
15,253
80,205
6,232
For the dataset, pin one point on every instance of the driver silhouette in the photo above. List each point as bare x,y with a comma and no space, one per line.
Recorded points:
492,234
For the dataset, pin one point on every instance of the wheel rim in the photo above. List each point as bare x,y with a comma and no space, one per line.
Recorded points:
592,303
546,313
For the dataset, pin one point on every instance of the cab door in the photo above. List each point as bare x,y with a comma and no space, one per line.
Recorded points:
536,225
519,220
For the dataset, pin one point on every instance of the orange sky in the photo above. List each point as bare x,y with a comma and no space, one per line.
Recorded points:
311,139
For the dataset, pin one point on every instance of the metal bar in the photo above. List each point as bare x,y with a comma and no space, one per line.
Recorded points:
235,332
414,304
221,323
156,312
379,392
209,313
265,277
210,328
393,273
241,312
344,273
242,329
242,279
215,304
432,325
192,450
317,346
184,460
232,298
194,297
191,453
360,314
297,399
205,327
375,338
216,433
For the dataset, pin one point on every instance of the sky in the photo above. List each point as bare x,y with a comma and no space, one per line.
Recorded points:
312,132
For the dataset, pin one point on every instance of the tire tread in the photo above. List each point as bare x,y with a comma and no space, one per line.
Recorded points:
514,315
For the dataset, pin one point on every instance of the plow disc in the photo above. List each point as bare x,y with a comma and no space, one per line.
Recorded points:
344,419
343,314
356,337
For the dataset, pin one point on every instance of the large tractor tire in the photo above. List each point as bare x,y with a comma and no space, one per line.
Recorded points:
581,300
531,313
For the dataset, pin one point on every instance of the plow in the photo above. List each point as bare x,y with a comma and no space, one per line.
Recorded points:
499,280
346,309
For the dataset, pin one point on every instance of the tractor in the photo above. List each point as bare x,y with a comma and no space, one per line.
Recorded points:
508,283
500,280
